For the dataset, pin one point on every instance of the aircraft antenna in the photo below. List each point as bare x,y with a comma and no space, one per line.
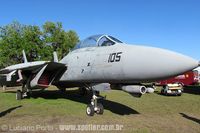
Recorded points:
55,56
24,56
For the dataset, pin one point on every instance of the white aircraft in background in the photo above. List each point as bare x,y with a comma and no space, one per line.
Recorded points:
101,62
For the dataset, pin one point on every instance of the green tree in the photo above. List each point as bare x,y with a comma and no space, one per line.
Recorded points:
34,45
38,43
10,43
60,40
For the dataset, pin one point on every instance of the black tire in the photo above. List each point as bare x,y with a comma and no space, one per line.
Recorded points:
28,94
18,95
100,109
90,110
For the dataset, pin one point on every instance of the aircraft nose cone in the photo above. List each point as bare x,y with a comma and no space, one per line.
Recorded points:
155,63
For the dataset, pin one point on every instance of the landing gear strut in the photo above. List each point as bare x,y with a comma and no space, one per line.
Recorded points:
94,106
18,95
25,92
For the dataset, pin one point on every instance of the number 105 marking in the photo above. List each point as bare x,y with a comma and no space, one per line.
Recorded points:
114,57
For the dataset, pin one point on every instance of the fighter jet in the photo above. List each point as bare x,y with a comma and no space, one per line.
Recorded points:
103,62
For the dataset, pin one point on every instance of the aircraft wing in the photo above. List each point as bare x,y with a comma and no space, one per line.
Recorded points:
23,66
38,74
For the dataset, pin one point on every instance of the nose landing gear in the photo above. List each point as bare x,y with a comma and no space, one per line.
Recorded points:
94,106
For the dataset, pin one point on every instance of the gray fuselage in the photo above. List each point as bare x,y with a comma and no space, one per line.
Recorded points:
122,63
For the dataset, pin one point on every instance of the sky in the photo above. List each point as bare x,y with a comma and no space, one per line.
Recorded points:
169,24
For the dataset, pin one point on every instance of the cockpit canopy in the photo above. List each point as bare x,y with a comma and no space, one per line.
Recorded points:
97,40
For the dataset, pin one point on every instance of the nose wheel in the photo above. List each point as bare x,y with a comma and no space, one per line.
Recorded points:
90,110
94,106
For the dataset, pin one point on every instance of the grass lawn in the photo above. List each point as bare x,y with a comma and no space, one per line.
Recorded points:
150,113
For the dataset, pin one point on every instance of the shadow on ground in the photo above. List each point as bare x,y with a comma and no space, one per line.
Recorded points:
73,95
190,118
192,90
9,110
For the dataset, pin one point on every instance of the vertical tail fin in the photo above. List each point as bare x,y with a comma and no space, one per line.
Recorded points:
55,56
24,56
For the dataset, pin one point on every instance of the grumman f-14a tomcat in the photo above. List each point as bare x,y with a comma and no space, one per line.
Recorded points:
101,62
